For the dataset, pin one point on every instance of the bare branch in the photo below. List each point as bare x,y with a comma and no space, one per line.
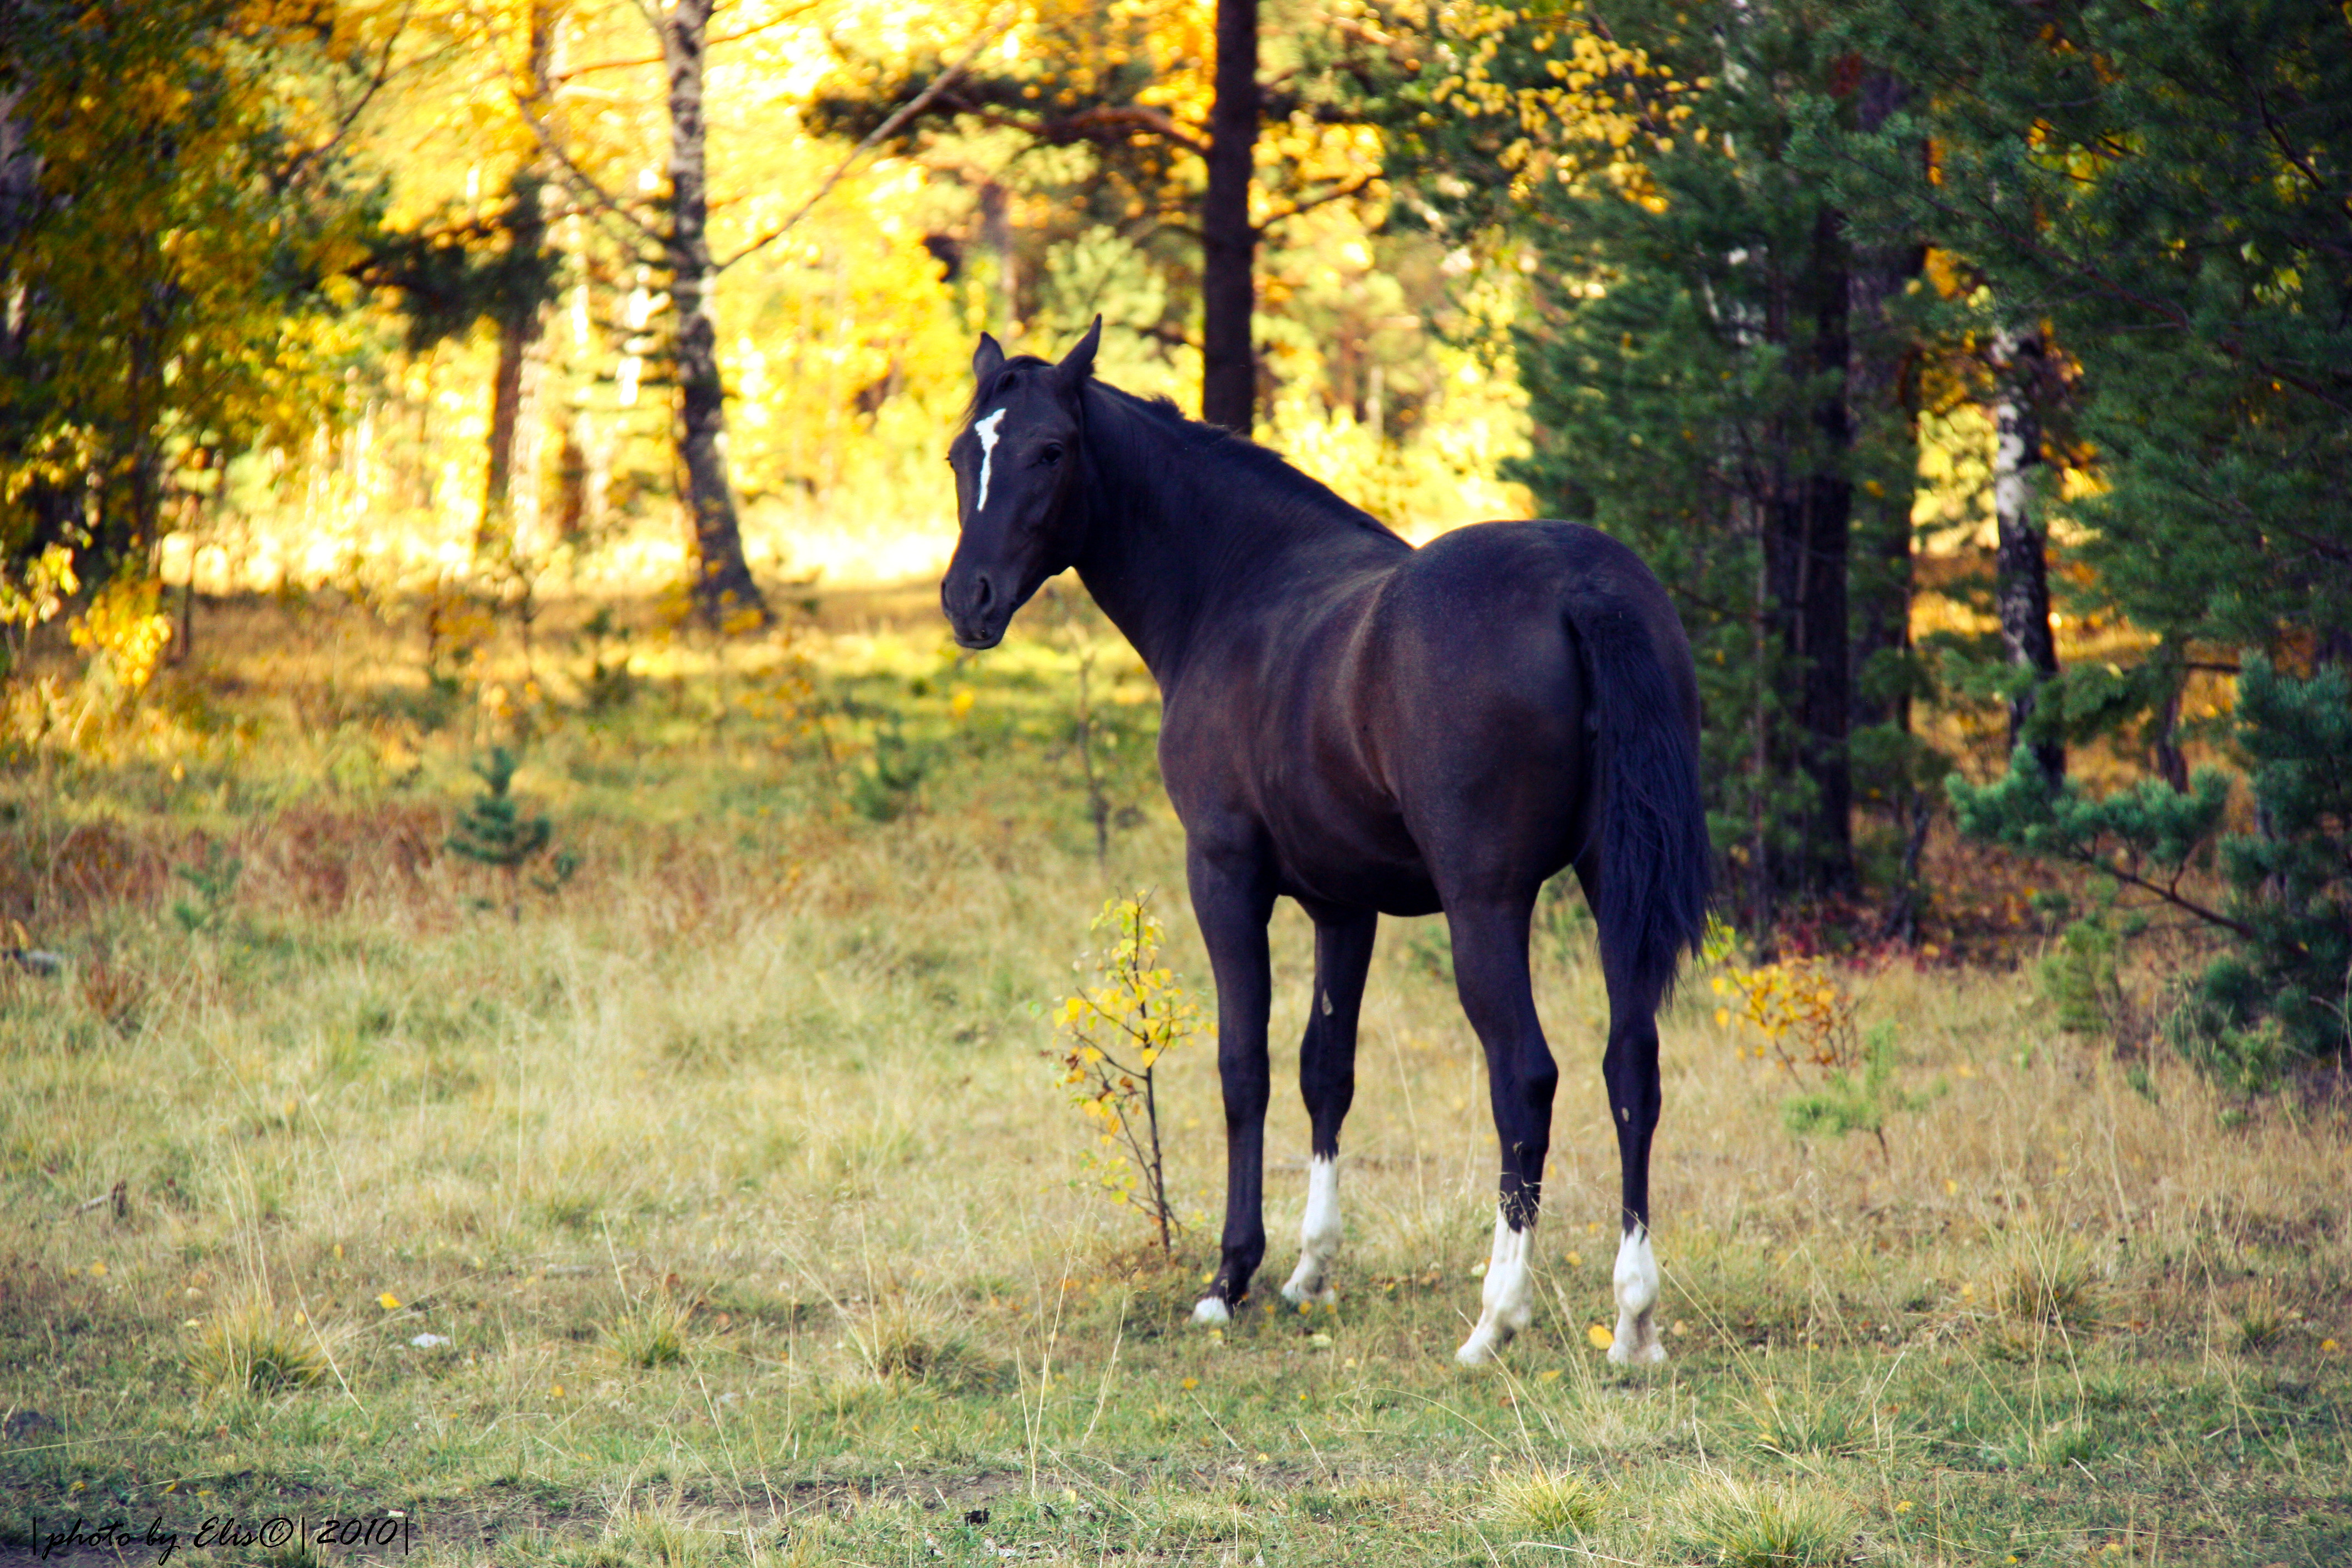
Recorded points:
792,16
907,111
1336,192
592,195
382,75
1101,125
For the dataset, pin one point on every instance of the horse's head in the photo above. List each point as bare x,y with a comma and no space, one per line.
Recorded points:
1016,463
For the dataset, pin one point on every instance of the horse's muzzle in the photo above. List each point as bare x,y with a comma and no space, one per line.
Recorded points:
977,614
976,641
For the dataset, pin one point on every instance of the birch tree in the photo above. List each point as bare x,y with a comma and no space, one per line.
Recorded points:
669,230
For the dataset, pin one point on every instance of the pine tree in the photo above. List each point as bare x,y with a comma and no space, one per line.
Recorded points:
1194,143
1697,379
494,831
2284,989
2164,188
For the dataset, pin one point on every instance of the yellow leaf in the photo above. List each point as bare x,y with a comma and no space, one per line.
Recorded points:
388,1301
1601,1337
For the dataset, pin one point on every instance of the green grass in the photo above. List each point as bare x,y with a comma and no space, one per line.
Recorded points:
736,1180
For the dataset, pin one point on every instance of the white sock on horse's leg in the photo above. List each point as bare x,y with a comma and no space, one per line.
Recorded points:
1508,1300
1636,1279
1318,1234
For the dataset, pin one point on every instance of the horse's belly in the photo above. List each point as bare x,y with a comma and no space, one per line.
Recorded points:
1368,864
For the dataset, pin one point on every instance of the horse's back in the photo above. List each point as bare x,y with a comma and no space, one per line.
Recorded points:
1400,728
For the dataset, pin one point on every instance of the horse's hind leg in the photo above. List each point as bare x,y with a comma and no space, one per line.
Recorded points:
1326,1080
1630,1070
1490,971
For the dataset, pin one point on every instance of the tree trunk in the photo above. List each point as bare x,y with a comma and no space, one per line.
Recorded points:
1228,242
2023,592
723,588
996,234
514,390
1886,451
20,196
522,331
1815,510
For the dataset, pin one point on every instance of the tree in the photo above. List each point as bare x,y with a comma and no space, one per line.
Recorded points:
1228,238
521,310
1692,364
2160,192
672,231
2017,362
1195,166
204,150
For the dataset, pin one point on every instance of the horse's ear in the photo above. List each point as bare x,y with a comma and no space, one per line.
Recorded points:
987,358
1079,362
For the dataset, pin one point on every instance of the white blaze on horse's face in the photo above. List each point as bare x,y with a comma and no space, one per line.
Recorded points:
987,432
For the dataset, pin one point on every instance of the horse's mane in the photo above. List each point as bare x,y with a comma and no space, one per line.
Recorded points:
1293,494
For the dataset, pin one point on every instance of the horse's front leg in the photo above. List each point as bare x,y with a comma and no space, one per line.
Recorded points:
1232,898
1326,1080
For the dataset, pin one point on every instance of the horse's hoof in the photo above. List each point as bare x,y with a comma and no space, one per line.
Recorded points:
1476,1351
1302,1292
1636,1350
1212,1309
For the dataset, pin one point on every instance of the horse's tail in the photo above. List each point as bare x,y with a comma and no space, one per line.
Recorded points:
1656,863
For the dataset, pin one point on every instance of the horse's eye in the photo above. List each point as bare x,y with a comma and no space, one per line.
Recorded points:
1051,454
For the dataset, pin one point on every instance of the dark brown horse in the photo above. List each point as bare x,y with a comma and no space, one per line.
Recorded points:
1369,729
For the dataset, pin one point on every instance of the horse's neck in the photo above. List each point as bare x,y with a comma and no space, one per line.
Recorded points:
1170,553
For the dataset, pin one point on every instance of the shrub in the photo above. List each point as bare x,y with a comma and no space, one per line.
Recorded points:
1115,1034
2280,994
1846,1104
1799,1006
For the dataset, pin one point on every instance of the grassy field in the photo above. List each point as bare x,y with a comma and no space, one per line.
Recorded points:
721,1206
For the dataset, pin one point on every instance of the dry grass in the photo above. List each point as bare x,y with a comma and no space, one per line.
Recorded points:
254,1348
1536,1500
1797,1524
767,1046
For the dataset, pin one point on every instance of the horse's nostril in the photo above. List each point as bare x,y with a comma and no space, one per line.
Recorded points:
983,594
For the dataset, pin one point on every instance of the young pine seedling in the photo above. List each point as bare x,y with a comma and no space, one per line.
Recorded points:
493,831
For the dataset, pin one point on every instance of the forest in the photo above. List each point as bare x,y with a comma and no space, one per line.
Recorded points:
507,885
